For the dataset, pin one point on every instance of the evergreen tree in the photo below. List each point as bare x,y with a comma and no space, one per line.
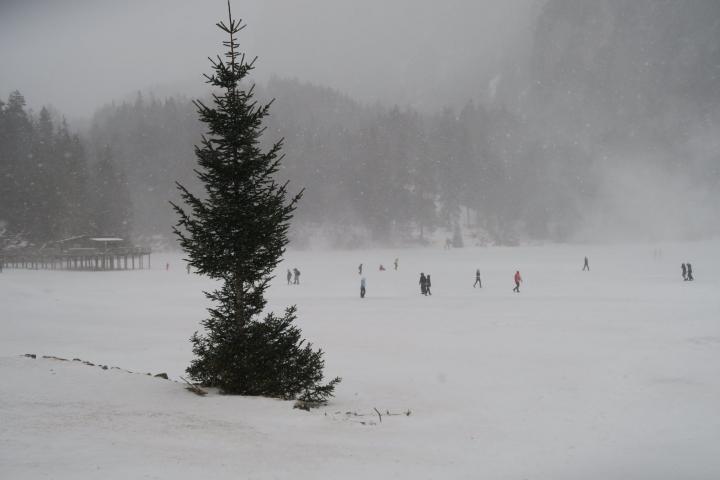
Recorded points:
44,200
237,233
16,172
76,207
111,201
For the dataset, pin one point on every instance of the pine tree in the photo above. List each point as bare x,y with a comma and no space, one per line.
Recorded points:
112,207
237,233
43,204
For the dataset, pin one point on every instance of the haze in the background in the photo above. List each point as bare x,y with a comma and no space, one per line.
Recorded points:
79,54
569,119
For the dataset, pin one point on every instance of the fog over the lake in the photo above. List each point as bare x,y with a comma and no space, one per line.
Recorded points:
407,122
79,54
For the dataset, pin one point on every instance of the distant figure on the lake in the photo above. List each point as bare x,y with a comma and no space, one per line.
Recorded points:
689,273
167,266
478,282
428,284
360,269
518,279
382,269
188,268
684,271
289,276
396,262
297,276
586,265
423,284
362,287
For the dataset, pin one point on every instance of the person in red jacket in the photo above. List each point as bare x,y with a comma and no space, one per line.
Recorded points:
518,279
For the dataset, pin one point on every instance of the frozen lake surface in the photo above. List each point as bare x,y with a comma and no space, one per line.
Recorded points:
612,373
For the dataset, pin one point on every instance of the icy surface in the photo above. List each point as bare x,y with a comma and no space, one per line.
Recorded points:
612,373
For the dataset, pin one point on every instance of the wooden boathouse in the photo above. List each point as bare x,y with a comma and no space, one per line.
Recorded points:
78,253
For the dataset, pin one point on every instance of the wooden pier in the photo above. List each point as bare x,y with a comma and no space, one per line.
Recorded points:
79,253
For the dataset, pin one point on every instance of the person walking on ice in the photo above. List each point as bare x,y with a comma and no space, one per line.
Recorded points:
689,273
289,276
518,279
477,279
428,284
362,287
423,284
360,269
396,263
586,265
684,272
297,276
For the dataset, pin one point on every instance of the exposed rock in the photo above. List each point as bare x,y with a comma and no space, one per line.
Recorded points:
53,357
162,375
31,355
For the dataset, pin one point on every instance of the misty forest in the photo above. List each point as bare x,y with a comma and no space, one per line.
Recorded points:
604,128
400,239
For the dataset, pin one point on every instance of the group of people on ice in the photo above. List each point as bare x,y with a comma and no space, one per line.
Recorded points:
293,277
425,284
381,268
687,272
363,282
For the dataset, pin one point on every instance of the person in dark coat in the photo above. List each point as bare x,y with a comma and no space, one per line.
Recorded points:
689,273
423,284
477,279
362,287
586,265
289,276
397,260
360,269
428,284
518,279
684,271
297,276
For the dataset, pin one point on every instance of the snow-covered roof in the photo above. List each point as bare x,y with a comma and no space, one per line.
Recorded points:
70,239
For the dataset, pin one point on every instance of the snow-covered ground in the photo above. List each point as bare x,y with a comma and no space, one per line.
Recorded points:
607,374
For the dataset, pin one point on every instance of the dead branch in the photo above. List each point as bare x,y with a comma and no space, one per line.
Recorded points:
378,413
194,388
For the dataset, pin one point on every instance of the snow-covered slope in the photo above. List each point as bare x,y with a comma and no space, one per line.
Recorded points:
612,373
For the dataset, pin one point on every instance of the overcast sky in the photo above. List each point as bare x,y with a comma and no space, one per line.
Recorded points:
79,54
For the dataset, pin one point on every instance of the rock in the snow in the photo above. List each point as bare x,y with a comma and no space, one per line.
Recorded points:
162,375
31,355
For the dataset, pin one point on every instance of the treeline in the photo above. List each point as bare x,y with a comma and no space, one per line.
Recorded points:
605,127
51,185
371,174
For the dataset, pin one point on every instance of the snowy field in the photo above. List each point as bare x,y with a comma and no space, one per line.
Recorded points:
607,374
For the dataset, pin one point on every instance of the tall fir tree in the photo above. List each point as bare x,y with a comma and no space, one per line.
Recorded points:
237,233
112,206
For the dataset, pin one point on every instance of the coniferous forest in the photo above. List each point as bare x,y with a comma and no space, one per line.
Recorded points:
610,113
54,186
